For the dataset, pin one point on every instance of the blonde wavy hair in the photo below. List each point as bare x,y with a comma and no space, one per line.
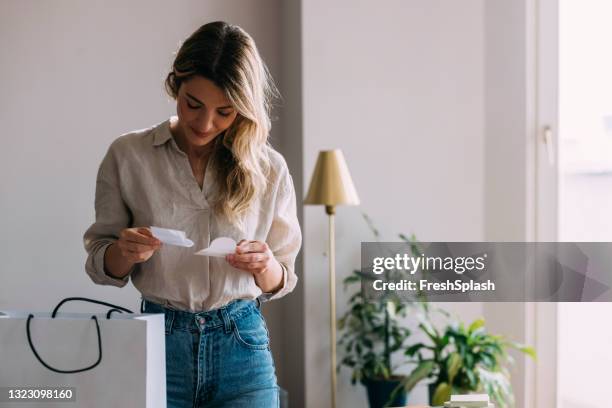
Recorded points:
226,55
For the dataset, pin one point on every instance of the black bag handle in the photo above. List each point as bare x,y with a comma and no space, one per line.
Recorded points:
110,312
113,308
66,371
99,302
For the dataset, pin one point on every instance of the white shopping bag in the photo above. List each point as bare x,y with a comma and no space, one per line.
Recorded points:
131,371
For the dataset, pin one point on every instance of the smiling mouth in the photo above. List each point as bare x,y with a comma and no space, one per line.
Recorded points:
198,134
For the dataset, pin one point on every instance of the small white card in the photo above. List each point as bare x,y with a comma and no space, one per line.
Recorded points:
469,401
470,398
219,247
172,237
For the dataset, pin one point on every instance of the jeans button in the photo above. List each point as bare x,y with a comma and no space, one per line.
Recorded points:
202,320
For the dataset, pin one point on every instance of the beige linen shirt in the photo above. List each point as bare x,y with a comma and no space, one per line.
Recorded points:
146,180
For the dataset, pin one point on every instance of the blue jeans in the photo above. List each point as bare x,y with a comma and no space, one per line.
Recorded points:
219,358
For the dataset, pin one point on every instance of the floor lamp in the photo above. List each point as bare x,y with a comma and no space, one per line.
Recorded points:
331,185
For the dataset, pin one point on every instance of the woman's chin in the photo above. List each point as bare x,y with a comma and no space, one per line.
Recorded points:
199,141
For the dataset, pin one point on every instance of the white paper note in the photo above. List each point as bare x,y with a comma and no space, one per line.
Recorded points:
171,237
219,247
470,398
469,401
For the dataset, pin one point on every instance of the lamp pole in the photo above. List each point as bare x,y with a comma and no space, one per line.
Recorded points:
331,185
330,210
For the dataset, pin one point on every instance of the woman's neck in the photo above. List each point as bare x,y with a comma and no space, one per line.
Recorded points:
192,152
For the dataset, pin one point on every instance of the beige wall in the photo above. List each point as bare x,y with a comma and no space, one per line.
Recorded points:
399,88
509,161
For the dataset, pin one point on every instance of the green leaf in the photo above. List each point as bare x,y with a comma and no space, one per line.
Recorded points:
497,385
357,376
411,351
488,360
370,223
351,279
394,394
441,394
420,372
444,341
530,351
472,379
469,361
391,309
453,364
385,371
478,323
365,276
430,332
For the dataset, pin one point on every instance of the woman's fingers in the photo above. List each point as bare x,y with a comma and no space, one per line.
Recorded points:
253,267
139,235
136,247
137,257
245,246
251,256
144,231
137,244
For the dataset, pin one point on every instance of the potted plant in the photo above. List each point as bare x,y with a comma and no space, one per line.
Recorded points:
371,332
456,360
461,360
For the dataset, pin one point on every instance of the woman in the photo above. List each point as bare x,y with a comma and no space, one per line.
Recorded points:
210,172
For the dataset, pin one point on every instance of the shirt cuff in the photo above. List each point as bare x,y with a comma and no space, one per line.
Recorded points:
100,276
267,296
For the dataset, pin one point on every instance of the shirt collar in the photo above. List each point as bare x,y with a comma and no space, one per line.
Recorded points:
162,135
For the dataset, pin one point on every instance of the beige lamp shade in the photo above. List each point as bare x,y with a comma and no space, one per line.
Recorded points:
331,182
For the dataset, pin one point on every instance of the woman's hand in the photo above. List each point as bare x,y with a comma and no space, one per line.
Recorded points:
252,256
256,258
137,244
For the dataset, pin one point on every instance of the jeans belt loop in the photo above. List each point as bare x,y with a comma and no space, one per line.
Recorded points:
227,324
169,320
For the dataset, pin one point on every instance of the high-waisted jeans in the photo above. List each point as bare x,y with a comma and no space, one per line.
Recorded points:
218,358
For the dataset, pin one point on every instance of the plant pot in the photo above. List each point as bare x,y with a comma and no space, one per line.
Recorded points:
380,390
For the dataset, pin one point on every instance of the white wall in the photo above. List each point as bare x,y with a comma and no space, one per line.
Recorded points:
583,357
509,185
398,86
291,319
